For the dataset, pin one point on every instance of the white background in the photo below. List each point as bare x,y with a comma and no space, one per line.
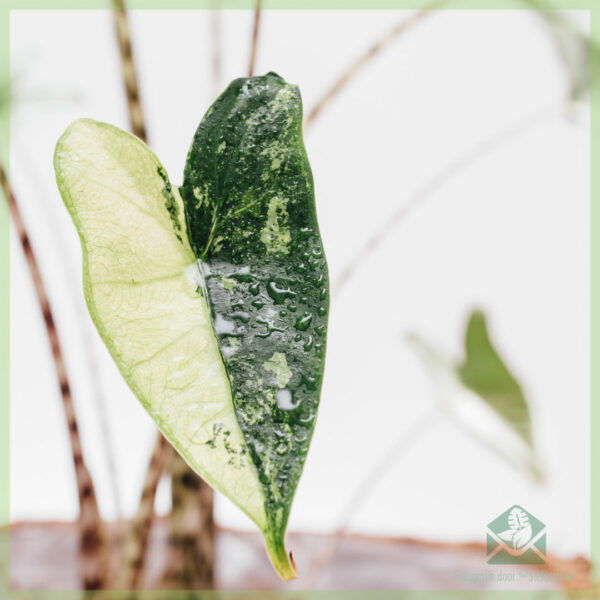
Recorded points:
509,233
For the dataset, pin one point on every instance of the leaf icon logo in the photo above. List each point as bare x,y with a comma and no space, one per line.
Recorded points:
519,532
516,537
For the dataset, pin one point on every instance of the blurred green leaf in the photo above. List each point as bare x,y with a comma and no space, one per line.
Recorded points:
484,372
575,48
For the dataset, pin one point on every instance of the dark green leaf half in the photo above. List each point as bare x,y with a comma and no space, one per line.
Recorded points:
249,206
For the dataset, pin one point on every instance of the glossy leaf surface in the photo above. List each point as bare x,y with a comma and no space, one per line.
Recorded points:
249,202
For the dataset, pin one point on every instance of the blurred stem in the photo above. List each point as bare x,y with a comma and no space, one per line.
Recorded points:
196,499
136,541
526,459
217,65
82,321
191,556
365,489
92,541
129,72
456,167
365,58
255,32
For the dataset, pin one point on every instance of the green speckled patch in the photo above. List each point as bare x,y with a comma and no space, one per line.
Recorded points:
275,235
171,203
277,365
228,283
249,205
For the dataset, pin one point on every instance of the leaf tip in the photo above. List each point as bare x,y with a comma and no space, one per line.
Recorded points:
282,561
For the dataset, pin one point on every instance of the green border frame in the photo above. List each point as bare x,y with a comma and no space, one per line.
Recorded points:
593,6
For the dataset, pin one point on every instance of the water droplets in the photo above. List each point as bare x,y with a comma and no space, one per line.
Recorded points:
303,323
222,326
241,315
285,400
271,326
227,352
279,293
309,381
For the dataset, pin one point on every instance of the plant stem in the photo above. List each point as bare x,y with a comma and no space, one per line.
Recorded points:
365,58
191,556
217,65
282,561
364,489
526,459
129,72
255,31
81,320
92,541
136,541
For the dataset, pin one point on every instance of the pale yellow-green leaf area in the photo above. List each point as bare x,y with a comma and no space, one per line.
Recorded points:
275,235
277,365
141,283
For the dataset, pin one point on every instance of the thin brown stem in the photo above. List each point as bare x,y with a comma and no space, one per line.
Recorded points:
129,72
136,541
366,57
255,32
92,543
457,166
191,557
217,64
80,319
